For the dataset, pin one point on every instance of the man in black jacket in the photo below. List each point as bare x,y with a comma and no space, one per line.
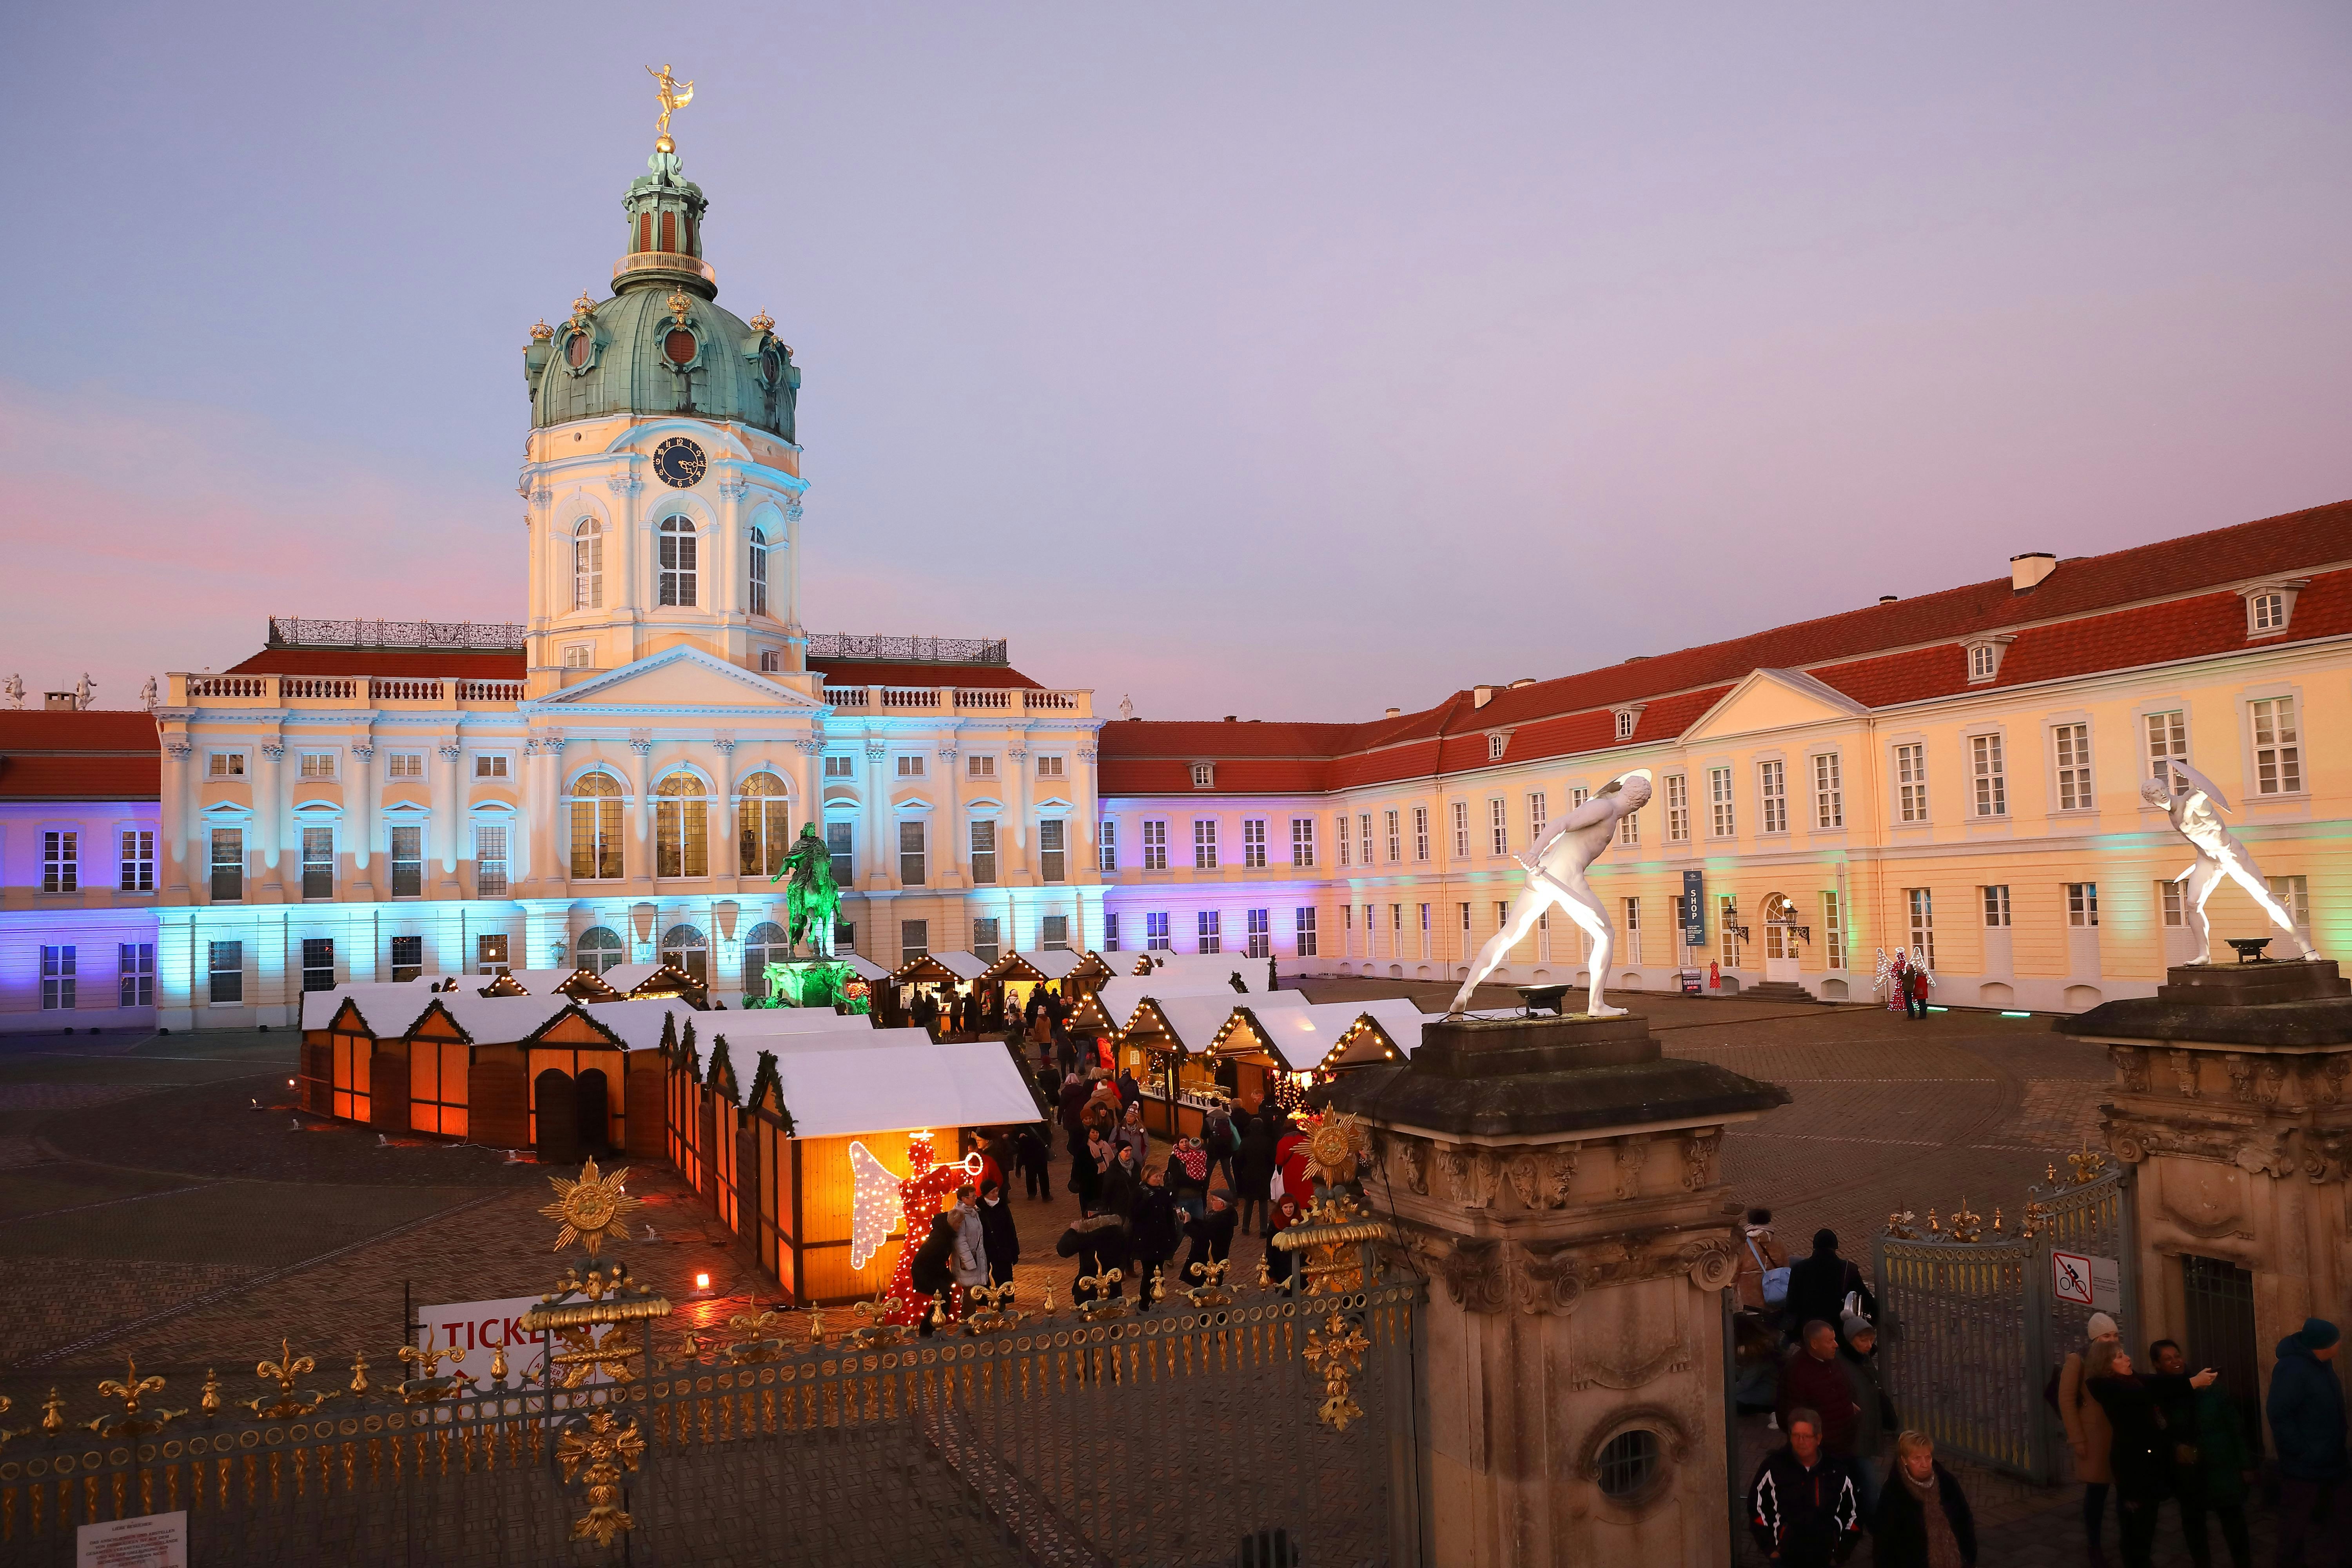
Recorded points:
1035,1155
1156,1225
1211,1237
1803,1507
999,1238
1819,1284
1099,1243
931,1274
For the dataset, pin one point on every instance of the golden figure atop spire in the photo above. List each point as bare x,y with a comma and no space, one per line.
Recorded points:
674,95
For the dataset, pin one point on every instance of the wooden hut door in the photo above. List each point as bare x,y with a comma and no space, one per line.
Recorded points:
553,1099
388,1081
593,1099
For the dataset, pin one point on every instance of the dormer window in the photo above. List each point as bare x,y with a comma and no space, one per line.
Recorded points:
2270,605
1625,719
1495,744
1205,776
1984,657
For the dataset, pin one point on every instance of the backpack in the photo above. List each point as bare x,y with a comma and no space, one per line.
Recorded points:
1774,1281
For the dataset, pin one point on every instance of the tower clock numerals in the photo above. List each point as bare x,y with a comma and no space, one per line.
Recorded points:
679,463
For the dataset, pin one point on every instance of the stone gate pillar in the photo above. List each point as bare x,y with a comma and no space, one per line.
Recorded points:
2234,1098
1556,1178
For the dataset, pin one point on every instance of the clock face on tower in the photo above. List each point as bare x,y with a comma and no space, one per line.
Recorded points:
679,463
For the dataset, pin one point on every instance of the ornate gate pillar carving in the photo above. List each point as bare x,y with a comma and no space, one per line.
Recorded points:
1556,1179
2230,1100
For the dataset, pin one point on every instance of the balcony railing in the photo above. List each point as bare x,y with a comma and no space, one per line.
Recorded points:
956,701
298,631
909,649
341,691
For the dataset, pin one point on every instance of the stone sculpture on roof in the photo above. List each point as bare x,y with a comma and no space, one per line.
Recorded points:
1556,863
2195,803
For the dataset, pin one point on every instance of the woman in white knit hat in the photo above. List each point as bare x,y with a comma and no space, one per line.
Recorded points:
2087,1431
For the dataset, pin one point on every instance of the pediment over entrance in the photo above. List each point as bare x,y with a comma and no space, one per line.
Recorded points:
1772,699
682,677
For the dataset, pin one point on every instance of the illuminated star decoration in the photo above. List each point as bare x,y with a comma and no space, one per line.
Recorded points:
590,1209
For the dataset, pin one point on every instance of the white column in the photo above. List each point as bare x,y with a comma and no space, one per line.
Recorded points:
448,816
951,857
269,815
640,868
812,784
1012,853
878,816
360,791
172,828
726,859
1090,813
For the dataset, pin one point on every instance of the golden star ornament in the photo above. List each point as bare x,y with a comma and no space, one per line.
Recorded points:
590,1209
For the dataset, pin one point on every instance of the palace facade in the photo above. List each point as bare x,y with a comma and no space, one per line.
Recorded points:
616,777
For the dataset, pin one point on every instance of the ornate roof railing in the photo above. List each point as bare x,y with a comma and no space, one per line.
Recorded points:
909,649
298,631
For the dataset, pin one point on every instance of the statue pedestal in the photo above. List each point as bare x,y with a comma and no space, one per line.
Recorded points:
2234,1101
1556,1178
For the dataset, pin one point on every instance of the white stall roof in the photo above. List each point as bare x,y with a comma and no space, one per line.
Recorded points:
893,1088
1305,1036
962,965
1119,998
380,1005
540,981
1196,1020
781,1021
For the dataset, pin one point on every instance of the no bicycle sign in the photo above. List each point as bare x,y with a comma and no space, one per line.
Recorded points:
2082,1280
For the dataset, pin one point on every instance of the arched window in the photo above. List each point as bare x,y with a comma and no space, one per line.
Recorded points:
588,566
763,947
758,576
678,572
597,828
766,826
598,949
681,827
683,947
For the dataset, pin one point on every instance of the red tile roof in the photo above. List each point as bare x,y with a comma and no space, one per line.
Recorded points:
92,754
417,664
973,676
2089,613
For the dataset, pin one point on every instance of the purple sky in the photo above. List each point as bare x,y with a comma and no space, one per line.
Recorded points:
1290,361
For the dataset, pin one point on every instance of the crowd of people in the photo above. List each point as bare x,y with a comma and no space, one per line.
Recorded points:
1807,1349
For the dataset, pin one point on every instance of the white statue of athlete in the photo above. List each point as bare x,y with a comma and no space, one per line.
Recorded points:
1556,863
2194,805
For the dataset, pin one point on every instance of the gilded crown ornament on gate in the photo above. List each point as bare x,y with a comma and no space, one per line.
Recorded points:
598,1451
591,1210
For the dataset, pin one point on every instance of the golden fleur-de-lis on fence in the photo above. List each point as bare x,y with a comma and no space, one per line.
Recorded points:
1336,1352
284,1371
599,1452
131,1391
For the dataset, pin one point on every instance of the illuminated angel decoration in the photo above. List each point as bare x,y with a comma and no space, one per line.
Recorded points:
880,1203
2194,805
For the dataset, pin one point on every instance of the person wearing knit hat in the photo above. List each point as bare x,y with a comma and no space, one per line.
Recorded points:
2088,1433
2306,1415
1874,1420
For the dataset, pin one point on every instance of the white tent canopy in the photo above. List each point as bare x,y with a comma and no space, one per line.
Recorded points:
1194,1021
1304,1037
389,1009
892,1087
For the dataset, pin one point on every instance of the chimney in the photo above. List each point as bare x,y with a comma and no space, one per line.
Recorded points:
2026,570
1481,695
1523,681
1886,598
1232,719
1394,712
58,702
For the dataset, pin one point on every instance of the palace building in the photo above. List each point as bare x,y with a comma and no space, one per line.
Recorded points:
616,778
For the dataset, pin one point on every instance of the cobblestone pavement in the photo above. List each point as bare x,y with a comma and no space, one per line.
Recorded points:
157,1196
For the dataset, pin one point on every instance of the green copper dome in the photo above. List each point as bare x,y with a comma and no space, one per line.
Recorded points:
662,345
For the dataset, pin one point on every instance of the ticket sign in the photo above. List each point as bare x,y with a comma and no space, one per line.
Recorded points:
2086,1281
480,1329
150,1540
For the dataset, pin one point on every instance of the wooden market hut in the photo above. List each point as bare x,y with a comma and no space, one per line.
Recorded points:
1165,1042
580,984
656,983
1257,1043
810,1098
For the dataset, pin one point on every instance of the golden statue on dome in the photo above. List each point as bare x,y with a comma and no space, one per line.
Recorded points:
674,95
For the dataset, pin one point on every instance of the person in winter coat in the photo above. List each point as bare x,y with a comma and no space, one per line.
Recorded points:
1814,1380
2141,1453
1086,1174
1858,1359
1035,1160
1219,1139
1819,1284
1154,1228
2306,1415
1254,1172
1132,1135
1188,1176
1282,1265
1212,1236
1074,1106
970,1260
1923,1520
1122,1182
2210,1466
1099,1243
1803,1507
2087,1433
1130,1094
1000,1239
931,1274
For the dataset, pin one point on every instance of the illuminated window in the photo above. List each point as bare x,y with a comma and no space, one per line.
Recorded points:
2082,903
58,967
1155,934
912,856
317,862
757,576
598,949
60,861
228,864
685,948
1107,845
1302,840
407,959
1677,809
1254,842
1155,845
490,952
763,825
1498,827
2071,743
2168,737
678,567
1261,934
1772,797
1829,791
1421,832
1911,782
2278,749
984,944
436,1087
137,871
597,828
1204,844
1921,903
1208,928
983,853
1302,926
1833,930
1988,775
588,564
225,971
490,861
135,975
1461,829
1718,801
1052,854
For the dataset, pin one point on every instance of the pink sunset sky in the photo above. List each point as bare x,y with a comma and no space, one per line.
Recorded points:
1288,361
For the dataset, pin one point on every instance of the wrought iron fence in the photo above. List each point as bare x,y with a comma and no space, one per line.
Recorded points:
1971,1325
297,631
909,649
